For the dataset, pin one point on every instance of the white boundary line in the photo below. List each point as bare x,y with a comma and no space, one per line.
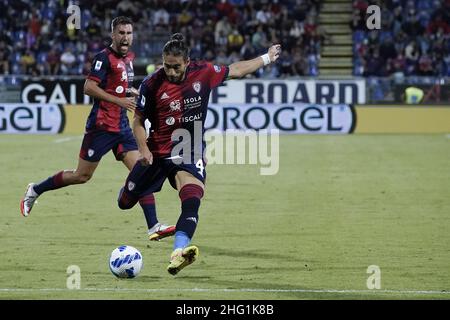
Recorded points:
61,140
136,290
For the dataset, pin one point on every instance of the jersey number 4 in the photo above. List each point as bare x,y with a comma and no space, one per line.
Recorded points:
199,165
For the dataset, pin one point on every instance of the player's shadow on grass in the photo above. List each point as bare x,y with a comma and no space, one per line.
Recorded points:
144,278
247,254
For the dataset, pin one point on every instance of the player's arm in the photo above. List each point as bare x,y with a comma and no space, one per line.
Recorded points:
140,135
92,89
242,68
144,102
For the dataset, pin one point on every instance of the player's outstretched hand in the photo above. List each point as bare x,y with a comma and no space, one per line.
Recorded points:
274,52
128,103
146,157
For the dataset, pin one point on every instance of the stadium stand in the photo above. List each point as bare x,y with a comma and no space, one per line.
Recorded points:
336,55
414,39
34,39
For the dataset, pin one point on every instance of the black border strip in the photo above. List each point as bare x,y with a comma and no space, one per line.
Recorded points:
354,118
63,118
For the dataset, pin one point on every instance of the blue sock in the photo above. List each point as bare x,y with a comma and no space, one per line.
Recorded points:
181,240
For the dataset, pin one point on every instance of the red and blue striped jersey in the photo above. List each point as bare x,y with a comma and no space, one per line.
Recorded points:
170,106
115,74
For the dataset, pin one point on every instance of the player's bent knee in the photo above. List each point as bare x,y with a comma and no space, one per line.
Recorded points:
124,206
126,201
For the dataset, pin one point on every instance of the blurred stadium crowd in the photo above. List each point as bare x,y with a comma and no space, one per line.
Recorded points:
414,39
34,39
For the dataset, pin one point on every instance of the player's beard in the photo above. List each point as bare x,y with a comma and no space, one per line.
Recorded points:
123,48
176,79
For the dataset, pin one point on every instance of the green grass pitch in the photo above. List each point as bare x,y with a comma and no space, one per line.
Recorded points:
337,205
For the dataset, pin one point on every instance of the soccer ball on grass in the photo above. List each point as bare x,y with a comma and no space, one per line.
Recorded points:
125,262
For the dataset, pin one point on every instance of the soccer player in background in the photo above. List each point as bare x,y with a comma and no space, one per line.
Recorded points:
176,97
110,84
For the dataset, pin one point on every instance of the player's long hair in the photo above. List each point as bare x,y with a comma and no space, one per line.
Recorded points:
176,46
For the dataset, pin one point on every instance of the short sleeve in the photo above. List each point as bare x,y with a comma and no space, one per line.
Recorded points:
143,100
99,68
218,74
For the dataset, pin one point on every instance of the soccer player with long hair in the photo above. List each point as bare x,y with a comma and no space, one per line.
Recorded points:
176,97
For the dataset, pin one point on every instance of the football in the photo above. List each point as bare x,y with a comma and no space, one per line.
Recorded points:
125,262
